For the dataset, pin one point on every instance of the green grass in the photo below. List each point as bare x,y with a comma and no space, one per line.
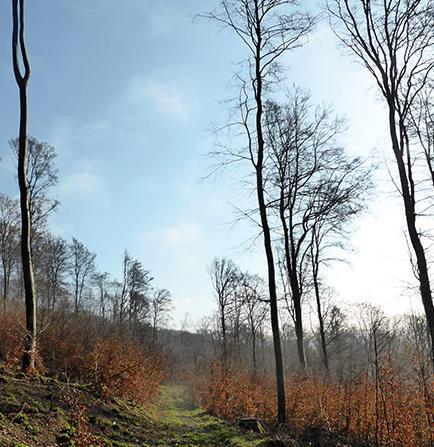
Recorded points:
181,422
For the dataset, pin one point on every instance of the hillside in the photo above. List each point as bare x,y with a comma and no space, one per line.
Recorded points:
44,412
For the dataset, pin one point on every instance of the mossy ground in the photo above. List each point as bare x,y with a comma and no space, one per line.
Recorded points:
37,412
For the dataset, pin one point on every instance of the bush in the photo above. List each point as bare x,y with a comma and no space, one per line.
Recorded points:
392,412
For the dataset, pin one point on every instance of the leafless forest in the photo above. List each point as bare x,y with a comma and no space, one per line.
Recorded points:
280,355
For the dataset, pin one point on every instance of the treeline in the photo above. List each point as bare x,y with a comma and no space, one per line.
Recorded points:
356,336
65,273
91,326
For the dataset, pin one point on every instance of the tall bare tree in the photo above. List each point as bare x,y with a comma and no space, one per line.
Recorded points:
268,29
314,188
394,40
22,79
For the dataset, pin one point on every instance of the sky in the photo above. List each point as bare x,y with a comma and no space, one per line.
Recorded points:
128,92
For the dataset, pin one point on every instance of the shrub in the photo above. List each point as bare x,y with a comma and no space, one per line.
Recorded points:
390,412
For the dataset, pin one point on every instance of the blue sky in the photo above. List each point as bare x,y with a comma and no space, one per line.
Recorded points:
127,92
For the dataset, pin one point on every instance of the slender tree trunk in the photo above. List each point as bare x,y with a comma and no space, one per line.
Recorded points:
274,313
325,357
5,285
54,296
408,191
254,349
28,360
224,341
293,283
315,274
299,333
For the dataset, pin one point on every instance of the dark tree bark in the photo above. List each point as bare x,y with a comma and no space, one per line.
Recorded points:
18,46
272,289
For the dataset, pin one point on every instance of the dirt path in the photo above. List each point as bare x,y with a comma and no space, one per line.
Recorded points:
180,422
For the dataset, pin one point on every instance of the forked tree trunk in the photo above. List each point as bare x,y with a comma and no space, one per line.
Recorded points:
28,360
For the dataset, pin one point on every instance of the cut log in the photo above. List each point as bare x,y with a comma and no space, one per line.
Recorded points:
252,424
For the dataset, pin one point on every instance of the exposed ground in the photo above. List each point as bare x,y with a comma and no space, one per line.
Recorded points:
44,412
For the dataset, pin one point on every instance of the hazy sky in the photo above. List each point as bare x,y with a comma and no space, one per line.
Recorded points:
127,92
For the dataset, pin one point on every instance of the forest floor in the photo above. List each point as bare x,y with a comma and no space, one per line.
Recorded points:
41,412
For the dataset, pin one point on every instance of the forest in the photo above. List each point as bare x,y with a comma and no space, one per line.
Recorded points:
110,352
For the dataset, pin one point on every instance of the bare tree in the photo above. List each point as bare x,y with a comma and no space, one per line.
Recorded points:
314,188
41,175
161,304
139,286
268,29
22,79
102,281
394,41
253,296
224,276
341,197
83,267
56,257
9,232
134,296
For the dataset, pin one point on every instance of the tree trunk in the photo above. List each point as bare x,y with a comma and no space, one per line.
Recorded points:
407,190
325,357
224,341
28,360
5,284
299,333
274,314
254,349
294,285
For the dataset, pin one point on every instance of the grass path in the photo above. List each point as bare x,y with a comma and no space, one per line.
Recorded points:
34,413
180,422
